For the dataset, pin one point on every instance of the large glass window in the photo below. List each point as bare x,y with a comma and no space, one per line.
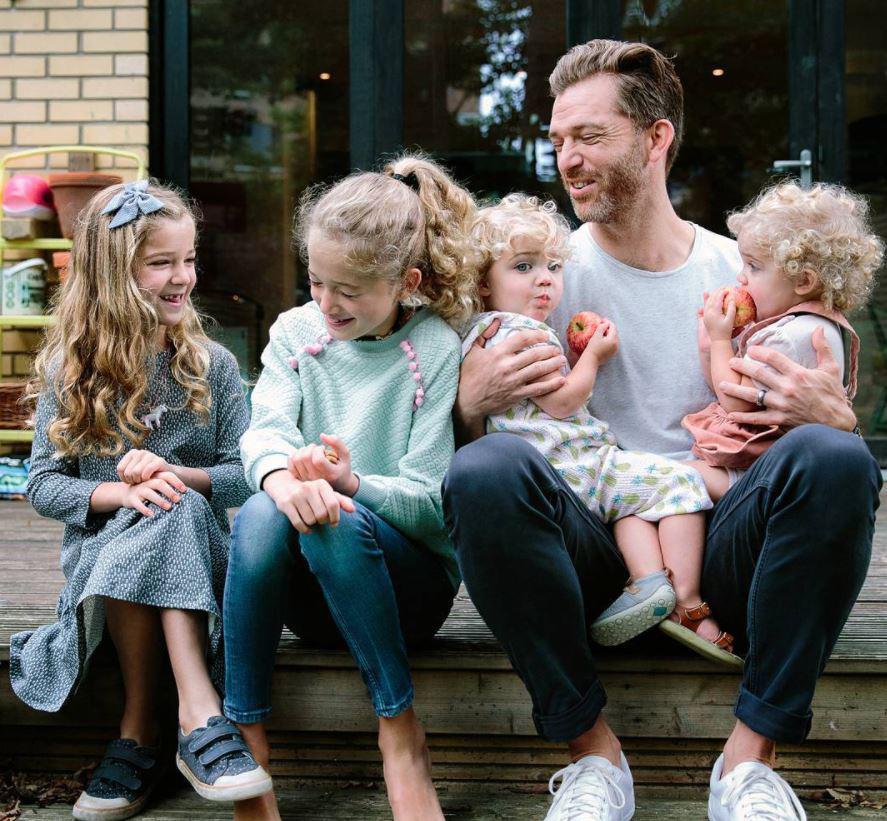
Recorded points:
866,94
269,116
732,61
476,90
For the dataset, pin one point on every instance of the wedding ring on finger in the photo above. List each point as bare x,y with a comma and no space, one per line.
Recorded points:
759,401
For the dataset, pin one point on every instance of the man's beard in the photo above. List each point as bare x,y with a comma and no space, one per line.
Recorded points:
617,189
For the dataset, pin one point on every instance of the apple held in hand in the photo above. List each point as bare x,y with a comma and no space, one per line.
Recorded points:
580,330
746,311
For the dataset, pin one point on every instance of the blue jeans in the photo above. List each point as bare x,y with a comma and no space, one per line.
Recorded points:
787,552
361,581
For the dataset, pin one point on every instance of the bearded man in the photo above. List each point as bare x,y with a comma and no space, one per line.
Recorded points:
789,544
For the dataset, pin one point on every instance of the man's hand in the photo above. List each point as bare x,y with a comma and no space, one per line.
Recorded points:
795,395
306,503
492,380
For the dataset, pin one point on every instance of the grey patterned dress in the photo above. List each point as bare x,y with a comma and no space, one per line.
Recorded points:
175,558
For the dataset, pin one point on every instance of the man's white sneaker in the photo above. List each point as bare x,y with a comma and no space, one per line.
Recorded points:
592,789
751,792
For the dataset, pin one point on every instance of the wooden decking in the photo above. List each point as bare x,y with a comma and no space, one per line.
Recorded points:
671,709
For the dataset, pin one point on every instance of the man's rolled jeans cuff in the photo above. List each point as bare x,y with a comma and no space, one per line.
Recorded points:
401,706
771,722
245,716
573,722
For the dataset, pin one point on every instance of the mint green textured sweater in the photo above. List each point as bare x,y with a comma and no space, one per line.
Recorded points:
394,418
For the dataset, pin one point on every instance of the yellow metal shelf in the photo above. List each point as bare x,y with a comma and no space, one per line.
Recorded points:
23,321
44,244
9,437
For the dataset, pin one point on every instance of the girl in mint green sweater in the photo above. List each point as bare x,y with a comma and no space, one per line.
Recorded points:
349,441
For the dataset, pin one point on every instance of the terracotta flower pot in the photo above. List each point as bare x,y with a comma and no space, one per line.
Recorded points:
60,260
71,190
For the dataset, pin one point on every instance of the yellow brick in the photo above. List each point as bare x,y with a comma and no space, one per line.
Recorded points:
80,19
116,134
116,41
21,20
125,110
5,43
20,341
23,112
131,19
5,89
80,65
42,43
37,135
131,64
6,365
49,89
22,67
54,4
72,111
21,364
110,87
5,134
115,3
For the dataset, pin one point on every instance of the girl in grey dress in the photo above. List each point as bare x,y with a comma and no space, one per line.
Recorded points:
136,450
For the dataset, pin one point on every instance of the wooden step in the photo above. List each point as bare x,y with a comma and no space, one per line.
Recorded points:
366,802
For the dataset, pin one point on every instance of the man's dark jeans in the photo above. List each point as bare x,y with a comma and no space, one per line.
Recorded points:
787,552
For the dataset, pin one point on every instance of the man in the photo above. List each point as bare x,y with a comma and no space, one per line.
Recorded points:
788,546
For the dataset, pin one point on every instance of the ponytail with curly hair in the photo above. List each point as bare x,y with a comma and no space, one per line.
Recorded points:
412,214
97,357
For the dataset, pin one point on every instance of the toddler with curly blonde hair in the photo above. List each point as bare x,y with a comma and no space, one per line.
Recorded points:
655,504
809,257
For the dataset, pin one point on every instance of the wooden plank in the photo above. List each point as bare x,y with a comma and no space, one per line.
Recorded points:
333,801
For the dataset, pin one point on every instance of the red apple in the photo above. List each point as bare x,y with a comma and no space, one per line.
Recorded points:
745,306
580,329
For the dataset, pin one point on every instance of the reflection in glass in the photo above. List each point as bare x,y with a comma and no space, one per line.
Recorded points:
476,90
732,61
269,109
866,95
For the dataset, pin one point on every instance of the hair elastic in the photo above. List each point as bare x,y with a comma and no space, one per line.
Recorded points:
410,180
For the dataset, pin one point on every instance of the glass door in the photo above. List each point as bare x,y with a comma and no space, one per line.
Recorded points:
268,117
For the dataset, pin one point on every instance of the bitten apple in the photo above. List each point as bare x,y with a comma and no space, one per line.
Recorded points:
746,311
580,330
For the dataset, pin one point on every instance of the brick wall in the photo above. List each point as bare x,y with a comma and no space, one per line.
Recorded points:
74,71
71,72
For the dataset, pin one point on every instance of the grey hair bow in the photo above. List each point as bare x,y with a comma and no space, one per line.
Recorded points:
133,200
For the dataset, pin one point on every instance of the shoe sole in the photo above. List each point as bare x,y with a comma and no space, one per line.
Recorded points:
702,646
112,813
260,785
622,627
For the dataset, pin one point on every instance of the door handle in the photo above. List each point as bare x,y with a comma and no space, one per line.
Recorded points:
804,166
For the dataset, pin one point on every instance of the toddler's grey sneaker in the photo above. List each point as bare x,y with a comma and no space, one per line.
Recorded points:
642,605
219,765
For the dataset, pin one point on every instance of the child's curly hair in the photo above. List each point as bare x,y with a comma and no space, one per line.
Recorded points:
518,216
825,229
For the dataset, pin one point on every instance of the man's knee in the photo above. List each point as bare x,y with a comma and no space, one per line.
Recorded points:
488,472
828,463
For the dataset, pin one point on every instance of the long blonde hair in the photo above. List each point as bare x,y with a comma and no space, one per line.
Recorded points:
97,357
389,225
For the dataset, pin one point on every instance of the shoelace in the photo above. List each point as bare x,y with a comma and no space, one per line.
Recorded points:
585,790
761,795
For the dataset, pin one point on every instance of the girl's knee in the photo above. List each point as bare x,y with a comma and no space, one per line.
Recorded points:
261,537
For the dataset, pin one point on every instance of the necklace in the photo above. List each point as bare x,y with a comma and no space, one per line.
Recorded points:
404,315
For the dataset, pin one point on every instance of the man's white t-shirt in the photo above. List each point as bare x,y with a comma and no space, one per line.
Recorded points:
654,380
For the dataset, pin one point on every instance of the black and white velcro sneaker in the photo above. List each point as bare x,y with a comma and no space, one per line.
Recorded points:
121,784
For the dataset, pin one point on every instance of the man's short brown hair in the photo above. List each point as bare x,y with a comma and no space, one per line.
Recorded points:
648,86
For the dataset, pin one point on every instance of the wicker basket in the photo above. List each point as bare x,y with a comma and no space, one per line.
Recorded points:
13,413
